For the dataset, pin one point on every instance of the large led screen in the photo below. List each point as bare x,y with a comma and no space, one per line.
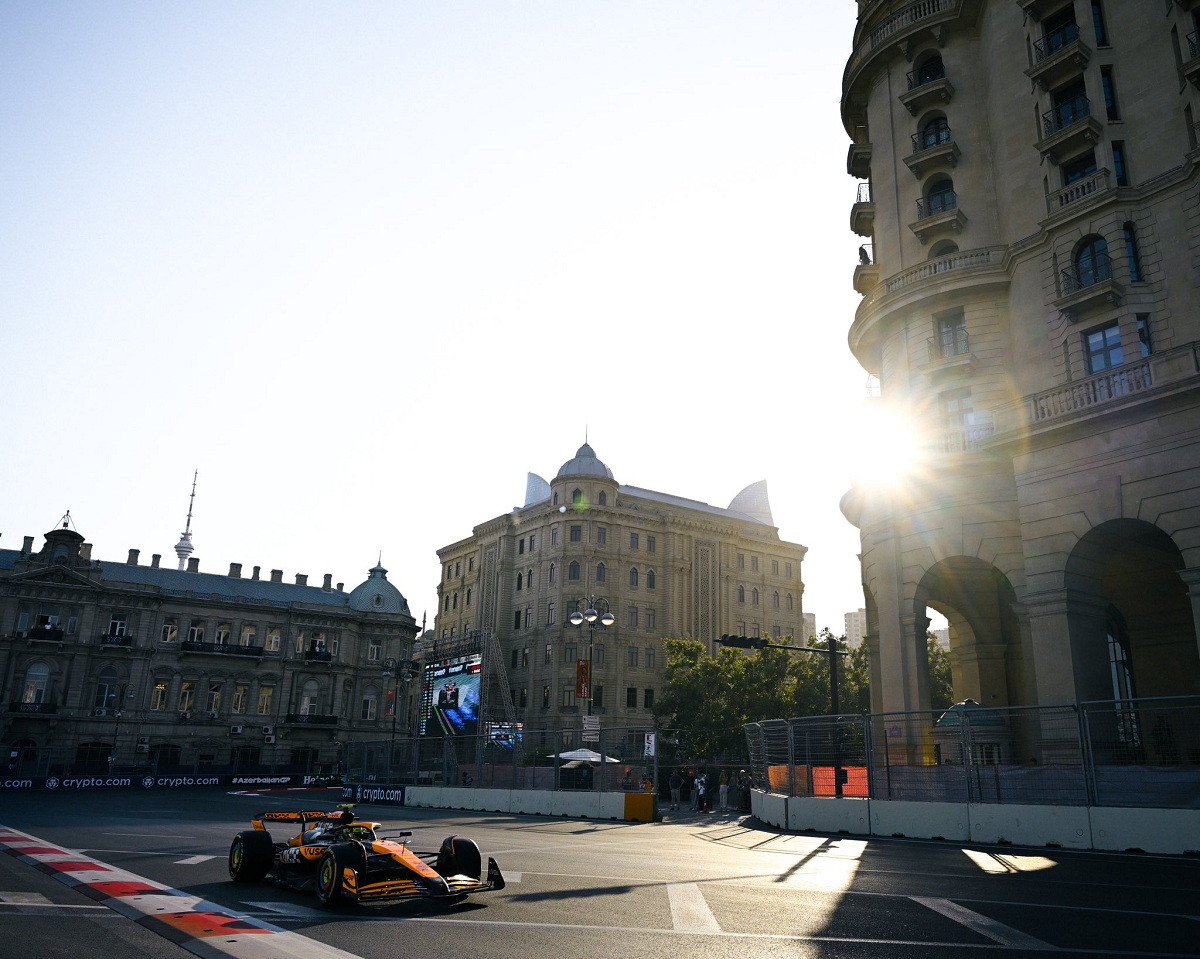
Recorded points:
450,696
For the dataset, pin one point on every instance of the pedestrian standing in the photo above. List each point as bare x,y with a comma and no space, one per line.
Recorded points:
676,782
723,793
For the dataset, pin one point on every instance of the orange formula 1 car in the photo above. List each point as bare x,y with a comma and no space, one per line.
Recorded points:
344,860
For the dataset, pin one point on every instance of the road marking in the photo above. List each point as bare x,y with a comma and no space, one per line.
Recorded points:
996,931
193,860
689,909
291,910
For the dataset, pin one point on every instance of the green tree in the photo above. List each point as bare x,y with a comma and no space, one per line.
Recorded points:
941,679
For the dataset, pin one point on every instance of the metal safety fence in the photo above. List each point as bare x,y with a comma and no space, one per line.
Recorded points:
1137,753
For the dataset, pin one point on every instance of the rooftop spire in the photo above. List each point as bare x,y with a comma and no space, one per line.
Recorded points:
184,548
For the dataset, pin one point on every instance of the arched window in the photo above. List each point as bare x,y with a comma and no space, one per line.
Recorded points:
1092,264
601,572
468,603
1120,666
529,580
573,571
633,577
602,498
447,607
944,248
553,574
520,582
577,497
555,499
790,602
775,600
940,196
741,594
37,681
754,596
1131,253
930,69
650,579
107,688
934,132
455,601
309,698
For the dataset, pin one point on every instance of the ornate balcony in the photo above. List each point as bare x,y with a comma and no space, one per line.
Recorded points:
33,709
125,640
862,214
1088,287
1081,195
858,158
948,354
218,649
924,94
927,155
937,214
1058,56
1068,129
47,634
310,719
318,656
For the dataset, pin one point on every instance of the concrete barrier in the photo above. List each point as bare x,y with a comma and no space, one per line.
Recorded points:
805,813
770,808
1150,830
1022,825
921,820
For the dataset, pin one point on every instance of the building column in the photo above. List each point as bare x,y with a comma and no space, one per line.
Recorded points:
1070,659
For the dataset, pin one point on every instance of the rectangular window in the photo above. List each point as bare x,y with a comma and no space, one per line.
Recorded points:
754,564
170,631
525,657
554,536
265,695
1080,168
633,540
787,570
532,543
570,653
1102,349
650,618
598,654
223,634
158,696
650,657
648,698
239,699
248,635
741,560
458,568
117,624
598,697
187,696
568,696
470,564
631,697
576,534
774,567
1110,93
523,697
1098,24
650,544
528,617
545,697
633,657
369,705
515,658
301,640
548,655
551,614
601,535
1120,170
196,631
516,619
952,335
633,617
374,651
273,640
521,548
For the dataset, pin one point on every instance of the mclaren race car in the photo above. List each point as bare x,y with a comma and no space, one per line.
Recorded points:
345,860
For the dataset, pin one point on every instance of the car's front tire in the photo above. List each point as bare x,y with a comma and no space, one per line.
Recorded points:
251,855
331,871
459,857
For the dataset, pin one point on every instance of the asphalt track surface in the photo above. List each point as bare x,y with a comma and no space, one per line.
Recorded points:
694,885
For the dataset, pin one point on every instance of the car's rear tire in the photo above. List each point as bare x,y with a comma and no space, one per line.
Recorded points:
459,856
251,855
331,871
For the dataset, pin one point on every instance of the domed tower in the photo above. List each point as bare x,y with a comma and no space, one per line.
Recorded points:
583,481
377,595
1027,174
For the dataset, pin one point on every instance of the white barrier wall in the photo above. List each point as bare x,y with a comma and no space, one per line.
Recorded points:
1167,831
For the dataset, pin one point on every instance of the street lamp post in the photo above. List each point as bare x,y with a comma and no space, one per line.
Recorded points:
596,608
397,670
112,756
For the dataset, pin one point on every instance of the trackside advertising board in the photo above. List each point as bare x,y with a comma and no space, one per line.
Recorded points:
15,783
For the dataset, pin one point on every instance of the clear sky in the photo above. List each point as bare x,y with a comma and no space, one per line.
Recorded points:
365,265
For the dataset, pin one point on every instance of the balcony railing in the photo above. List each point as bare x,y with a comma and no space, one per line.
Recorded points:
192,646
962,260
318,655
934,138
1106,387
1054,41
1092,185
52,634
915,81
937,203
907,17
969,438
1066,114
33,709
863,194
310,719
107,639
1082,275
949,343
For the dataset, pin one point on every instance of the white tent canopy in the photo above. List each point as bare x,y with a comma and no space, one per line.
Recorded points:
585,755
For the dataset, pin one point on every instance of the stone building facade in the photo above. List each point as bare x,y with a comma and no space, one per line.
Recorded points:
1029,193
663,565
130,666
